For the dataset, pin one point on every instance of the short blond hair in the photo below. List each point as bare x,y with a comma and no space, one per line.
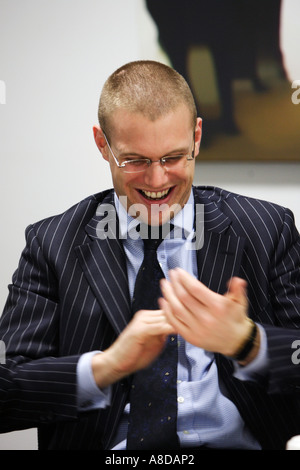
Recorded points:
147,87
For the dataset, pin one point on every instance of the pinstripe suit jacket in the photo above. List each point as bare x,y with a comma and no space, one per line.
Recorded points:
70,295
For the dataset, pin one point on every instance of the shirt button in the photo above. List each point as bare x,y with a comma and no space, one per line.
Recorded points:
180,399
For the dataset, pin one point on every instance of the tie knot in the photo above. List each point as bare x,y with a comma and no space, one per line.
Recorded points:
152,236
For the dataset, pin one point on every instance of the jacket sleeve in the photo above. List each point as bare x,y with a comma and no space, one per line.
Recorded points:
36,385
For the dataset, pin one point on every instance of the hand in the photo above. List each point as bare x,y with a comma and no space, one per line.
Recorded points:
211,321
137,346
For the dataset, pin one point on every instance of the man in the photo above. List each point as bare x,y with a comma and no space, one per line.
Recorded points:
72,342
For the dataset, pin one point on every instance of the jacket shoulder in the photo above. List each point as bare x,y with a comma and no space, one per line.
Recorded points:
67,226
224,199
246,213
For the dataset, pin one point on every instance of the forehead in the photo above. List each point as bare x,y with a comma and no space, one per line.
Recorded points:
131,128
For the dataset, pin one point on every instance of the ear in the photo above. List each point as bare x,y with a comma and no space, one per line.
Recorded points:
100,141
198,136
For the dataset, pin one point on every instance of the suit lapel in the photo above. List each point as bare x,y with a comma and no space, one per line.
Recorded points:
104,264
219,256
219,260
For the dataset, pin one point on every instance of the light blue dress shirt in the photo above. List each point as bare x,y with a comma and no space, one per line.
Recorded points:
205,415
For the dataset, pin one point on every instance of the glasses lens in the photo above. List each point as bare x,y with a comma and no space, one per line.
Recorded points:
176,162
136,166
171,163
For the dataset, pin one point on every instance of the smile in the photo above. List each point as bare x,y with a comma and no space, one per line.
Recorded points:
154,196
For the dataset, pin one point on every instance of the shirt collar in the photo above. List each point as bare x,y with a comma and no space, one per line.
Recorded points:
183,219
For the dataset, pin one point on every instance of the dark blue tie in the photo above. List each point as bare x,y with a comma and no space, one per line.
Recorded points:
153,395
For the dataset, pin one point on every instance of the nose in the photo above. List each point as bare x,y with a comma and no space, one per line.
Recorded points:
156,175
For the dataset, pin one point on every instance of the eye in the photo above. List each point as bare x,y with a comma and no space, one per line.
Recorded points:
173,159
136,162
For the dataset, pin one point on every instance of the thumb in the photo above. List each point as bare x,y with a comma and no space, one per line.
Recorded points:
237,290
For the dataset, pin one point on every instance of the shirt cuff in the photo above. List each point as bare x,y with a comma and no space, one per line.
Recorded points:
256,369
89,395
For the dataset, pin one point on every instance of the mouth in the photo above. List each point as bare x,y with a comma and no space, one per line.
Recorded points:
155,195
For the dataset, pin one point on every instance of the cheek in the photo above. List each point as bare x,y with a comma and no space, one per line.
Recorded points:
132,181
184,191
186,182
124,184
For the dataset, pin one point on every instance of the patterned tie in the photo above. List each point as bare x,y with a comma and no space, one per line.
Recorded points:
153,395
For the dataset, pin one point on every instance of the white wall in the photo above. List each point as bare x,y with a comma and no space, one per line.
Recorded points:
54,58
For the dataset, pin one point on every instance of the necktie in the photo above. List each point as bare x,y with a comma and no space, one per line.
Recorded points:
153,395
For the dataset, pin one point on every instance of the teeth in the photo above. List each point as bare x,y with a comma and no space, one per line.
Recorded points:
157,195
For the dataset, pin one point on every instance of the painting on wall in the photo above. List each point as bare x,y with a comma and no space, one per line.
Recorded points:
231,54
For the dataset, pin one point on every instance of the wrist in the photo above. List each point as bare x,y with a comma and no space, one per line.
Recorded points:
103,369
253,352
249,346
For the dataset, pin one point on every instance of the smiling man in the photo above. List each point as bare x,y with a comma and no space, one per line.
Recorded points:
158,170
156,140
84,358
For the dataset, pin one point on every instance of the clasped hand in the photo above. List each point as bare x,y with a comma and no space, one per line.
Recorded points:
206,319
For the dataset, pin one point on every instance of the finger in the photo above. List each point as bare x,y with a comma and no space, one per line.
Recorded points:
193,305
169,294
149,316
174,320
178,324
210,302
152,322
237,290
175,311
194,287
